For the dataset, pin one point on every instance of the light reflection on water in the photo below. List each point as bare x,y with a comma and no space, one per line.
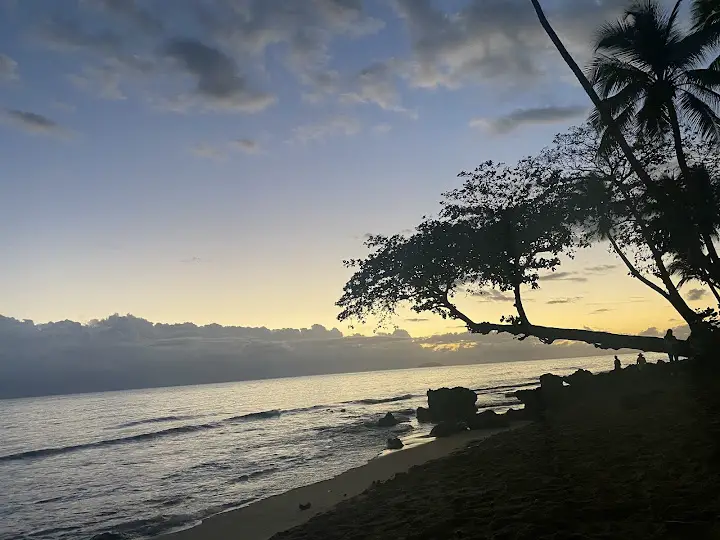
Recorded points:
150,459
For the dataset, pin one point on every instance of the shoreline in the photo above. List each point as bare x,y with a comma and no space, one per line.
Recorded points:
263,519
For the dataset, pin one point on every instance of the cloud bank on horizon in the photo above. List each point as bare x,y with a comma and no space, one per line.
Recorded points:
123,352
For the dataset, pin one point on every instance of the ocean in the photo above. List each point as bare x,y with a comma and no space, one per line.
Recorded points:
143,462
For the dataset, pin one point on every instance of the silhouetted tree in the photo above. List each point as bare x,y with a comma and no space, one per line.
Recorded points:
500,230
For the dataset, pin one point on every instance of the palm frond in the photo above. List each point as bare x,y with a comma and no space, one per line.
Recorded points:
609,74
700,115
707,78
692,50
705,13
652,118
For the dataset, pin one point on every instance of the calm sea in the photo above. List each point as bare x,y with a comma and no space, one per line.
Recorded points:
139,463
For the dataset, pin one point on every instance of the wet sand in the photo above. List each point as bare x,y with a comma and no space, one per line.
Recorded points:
263,519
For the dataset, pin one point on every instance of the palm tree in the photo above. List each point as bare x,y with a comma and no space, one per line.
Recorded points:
649,73
615,130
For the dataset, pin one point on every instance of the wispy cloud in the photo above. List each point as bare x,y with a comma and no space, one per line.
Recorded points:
522,117
335,125
492,295
208,151
34,123
563,300
8,68
563,276
600,269
249,146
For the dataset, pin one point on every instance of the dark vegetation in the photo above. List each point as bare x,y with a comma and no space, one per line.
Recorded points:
642,175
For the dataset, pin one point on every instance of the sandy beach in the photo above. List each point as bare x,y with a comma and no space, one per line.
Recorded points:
642,463
264,519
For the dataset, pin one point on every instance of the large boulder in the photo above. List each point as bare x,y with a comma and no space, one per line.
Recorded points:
533,401
581,377
445,429
388,421
451,404
551,384
423,415
488,420
516,415
394,443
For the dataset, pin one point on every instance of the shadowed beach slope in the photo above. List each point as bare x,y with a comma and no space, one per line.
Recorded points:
640,464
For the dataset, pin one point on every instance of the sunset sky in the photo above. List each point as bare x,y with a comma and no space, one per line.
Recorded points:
216,160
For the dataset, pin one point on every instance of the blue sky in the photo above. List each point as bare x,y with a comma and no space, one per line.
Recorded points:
217,160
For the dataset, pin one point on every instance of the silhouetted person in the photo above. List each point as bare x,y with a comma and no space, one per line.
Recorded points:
618,365
671,342
641,361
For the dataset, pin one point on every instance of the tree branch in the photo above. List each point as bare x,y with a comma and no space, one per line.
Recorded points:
548,334
634,272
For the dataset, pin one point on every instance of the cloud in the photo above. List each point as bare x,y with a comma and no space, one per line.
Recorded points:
101,81
492,295
217,76
335,125
563,300
382,128
600,269
376,84
192,260
601,310
651,332
495,40
416,320
133,13
208,151
249,146
522,117
34,122
696,294
140,354
563,276
681,332
8,68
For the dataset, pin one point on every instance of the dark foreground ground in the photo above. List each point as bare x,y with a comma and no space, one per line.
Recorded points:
637,465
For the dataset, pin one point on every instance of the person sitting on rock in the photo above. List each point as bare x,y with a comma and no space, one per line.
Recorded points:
641,360
671,342
618,365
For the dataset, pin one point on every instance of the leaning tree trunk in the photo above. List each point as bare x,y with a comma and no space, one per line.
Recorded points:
605,115
519,305
549,334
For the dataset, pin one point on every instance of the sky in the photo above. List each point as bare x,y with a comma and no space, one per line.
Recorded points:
216,160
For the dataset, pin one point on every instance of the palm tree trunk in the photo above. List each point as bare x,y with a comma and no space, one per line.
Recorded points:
715,293
677,301
677,140
686,172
